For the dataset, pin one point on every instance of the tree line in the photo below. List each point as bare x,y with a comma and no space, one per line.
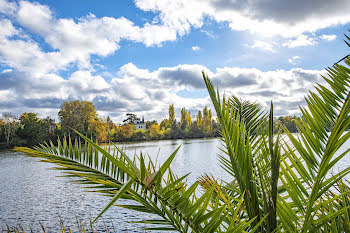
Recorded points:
29,129
82,116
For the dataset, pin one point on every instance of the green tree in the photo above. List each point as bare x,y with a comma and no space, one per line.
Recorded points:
2,134
199,118
150,123
195,131
33,129
290,123
176,131
215,129
183,115
164,124
140,135
77,115
186,121
165,133
205,112
171,114
206,121
131,119
188,118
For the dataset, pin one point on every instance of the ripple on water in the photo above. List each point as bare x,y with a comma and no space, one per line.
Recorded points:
30,192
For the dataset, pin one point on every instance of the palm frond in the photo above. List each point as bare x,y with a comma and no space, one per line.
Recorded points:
314,152
278,184
111,172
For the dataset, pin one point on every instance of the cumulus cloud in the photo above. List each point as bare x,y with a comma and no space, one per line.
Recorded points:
302,40
35,16
267,17
7,7
149,93
267,93
328,37
263,45
209,34
235,77
24,54
7,29
195,48
84,81
103,33
31,78
183,75
293,60
281,86
72,41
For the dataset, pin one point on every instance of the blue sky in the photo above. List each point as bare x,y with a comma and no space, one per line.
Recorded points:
140,56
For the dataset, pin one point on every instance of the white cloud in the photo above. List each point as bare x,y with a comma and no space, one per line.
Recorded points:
183,76
26,55
293,60
32,82
235,77
266,17
7,7
195,48
209,34
328,37
6,70
302,40
73,41
84,81
263,45
149,93
7,29
35,16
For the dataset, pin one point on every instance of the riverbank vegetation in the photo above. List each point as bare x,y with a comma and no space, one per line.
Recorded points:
278,184
28,129
79,227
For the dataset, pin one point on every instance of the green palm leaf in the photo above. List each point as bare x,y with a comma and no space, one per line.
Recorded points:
278,183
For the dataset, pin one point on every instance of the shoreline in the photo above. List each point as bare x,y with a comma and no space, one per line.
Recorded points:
126,142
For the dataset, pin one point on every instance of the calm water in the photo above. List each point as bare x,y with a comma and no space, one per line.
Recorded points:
30,192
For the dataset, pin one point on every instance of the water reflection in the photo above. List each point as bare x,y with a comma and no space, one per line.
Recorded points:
31,191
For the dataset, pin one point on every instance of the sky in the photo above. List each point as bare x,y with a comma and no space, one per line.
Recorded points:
140,56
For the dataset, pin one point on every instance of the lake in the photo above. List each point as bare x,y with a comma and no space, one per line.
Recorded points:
31,193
